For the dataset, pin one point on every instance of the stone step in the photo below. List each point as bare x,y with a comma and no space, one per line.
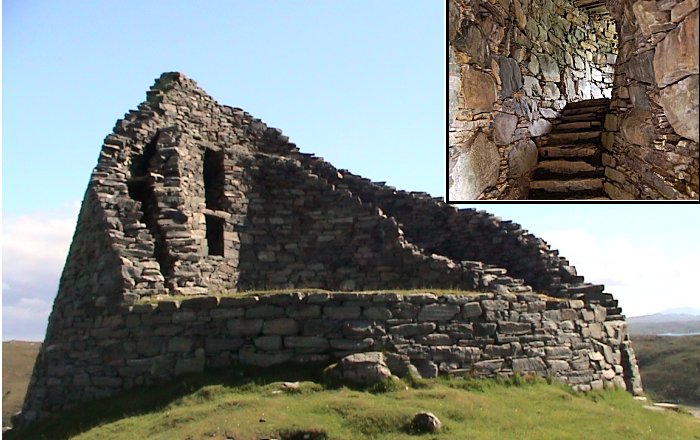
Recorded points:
582,117
568,167
588,103
575,137
590,151
576,126
538,194
589,184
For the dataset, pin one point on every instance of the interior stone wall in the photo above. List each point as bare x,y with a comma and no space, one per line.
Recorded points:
652,128
513,65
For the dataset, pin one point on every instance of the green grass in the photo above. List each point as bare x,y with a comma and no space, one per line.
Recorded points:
670,367
17,363
233,404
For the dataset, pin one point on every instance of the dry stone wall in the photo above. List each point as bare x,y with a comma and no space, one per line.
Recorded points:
513,65
652,128
194,199
487,334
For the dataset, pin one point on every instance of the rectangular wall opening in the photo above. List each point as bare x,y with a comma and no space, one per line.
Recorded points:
214,179
215,235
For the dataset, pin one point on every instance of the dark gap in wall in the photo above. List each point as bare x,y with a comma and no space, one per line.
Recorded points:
214,179
141,188
215,235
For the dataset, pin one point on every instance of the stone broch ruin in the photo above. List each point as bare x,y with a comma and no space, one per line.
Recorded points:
573,99
192,200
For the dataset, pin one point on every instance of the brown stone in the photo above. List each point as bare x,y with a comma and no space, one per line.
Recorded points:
479,90
455,20
677,54
471,42
680,103
520,18
616,193
637,128
647,14
682,9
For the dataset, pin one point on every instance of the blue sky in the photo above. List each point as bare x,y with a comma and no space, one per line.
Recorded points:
360,83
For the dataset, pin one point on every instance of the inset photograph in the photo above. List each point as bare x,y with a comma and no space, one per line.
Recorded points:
572,100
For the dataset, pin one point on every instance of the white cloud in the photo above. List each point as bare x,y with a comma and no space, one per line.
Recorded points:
645,275
34,249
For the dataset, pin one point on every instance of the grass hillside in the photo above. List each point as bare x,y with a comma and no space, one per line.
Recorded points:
17,364
670,367
233,405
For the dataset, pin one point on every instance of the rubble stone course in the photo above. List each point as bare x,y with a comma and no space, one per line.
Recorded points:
192,201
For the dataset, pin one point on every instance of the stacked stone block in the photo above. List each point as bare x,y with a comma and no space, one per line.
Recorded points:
194,199
513,66
651,144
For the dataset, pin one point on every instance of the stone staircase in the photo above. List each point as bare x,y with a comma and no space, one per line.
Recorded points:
569,158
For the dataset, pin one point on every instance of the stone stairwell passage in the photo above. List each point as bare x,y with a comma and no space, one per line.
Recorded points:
569,158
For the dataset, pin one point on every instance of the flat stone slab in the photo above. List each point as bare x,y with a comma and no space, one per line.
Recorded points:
567,166
568,151
568,185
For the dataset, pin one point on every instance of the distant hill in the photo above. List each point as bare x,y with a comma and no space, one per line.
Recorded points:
670,367
17,364
665,323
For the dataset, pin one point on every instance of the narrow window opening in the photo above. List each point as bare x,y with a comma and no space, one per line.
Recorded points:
214,179
141,188
215,235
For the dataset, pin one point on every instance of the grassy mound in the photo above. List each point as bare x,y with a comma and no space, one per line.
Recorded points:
289,402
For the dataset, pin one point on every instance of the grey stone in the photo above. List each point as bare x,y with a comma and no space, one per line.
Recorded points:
531,86
503,128
533,65
470,41
641,67
425,421
280,326
342,312
534,364
250,357
438,312
363,368
189,365
550,91
471,310
539,127
378,313
268,343
473,168
244,327
550,68
511,80
522,160
307,342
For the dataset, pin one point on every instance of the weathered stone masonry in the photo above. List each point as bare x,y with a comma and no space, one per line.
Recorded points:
514,64
193,198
